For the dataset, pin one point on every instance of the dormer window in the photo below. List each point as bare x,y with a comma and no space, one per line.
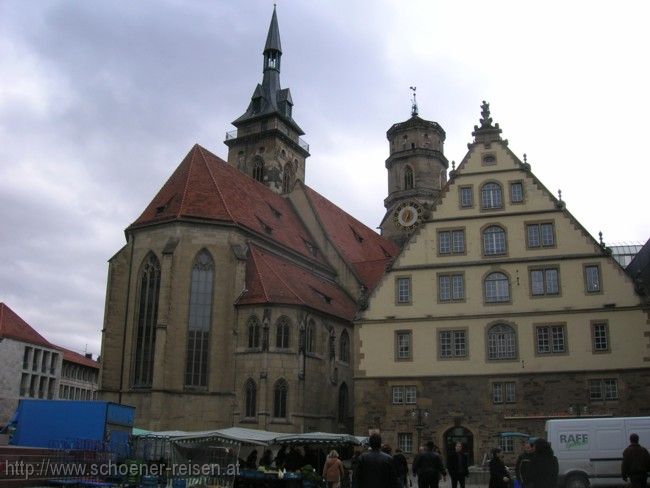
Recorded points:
313,250
276,213
267,228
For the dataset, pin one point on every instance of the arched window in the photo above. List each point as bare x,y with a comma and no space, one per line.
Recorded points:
497,288
494,241
344,347
280,392
343,403
198,327
253,332
258,170
146,319
251,398
310,341
287,178
408,178
491,196
502,342
283,331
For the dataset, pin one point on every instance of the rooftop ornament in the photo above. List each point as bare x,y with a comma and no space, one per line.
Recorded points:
414,102
487,132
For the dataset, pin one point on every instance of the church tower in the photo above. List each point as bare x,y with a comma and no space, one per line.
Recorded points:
417,171
267,143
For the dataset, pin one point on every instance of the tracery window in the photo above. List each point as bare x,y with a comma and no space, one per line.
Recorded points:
254,327
251,398
283,331
258,170
280,393
344,347
146,319
311,336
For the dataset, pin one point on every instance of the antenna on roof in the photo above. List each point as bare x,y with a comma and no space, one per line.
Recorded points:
414,102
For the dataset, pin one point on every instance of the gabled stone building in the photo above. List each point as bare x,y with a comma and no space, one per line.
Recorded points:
501,311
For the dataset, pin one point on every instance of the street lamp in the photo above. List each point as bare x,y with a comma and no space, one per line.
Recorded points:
419,415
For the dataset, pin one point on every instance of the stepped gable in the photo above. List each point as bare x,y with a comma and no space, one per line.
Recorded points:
273,279
365,251
206,188
13,327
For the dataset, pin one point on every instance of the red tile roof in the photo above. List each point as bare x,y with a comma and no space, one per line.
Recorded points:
273,279
205,187
77,358
362,248
13,327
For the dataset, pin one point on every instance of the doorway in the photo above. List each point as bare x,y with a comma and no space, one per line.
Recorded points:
460,434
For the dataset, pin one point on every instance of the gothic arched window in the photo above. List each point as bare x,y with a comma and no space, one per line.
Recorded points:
310,334
408,178
146,319
502,342
198,327
497,288
258,170
280,392
251,398
344,347
283,331
254,332
287,178
494,241
491,196
343,403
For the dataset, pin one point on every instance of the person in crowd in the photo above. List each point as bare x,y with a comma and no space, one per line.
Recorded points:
333,471
375,469
543,468
401,467
267,458
457,466
428,467
636,463
281,457
385,448
295,459
522,465
251,460
499,475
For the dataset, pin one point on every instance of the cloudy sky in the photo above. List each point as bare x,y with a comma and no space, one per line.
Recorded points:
100,101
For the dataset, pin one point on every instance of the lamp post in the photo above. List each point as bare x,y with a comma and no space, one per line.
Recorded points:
419,415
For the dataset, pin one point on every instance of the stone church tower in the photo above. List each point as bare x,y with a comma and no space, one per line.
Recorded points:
417,171
267,144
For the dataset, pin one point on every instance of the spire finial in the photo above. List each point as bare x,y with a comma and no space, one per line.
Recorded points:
559,195
453,165
486,120
525,158
414,102
600,237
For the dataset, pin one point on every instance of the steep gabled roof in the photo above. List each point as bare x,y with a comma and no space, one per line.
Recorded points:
14,327
273,279
205,187
365,251
77,358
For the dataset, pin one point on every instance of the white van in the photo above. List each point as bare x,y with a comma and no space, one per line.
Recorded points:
590,450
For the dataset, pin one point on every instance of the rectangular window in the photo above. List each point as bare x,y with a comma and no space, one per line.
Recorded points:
404,290
600,335
398,395
403,345
466,197
540,235
410,395
516,192
504,392
451,242
551,339
507,444
592,278
603,389
453,343
405,442
26,354
544,281
451,287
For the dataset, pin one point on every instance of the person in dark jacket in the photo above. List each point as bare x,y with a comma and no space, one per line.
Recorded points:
499,475
457,466
543,470
636,463
427,466
522,464
401,467
375,469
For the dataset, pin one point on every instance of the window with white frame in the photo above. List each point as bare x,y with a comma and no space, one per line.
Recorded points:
494,241
592,279
502,342
410,395
603,389
466,197
398,395
405,442
491,196
403,345
453,343
540,235
600,334
451,287
451,241
403,290
544,281
516,192
551,339
507,444
497,288
504,392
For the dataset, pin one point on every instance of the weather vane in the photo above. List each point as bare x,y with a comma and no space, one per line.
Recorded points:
414,102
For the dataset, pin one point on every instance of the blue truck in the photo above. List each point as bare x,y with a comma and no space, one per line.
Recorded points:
73,425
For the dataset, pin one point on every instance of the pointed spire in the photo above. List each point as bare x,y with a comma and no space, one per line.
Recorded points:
273,37
487,133
414,102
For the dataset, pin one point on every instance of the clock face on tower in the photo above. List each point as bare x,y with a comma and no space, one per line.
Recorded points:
407,215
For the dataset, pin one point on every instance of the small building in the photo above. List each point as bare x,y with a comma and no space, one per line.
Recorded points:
79,376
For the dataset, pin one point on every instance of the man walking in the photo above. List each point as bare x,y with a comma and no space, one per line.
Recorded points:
428,468
457,466
375,469
636,463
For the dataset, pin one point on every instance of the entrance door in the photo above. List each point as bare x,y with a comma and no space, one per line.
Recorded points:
460,434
